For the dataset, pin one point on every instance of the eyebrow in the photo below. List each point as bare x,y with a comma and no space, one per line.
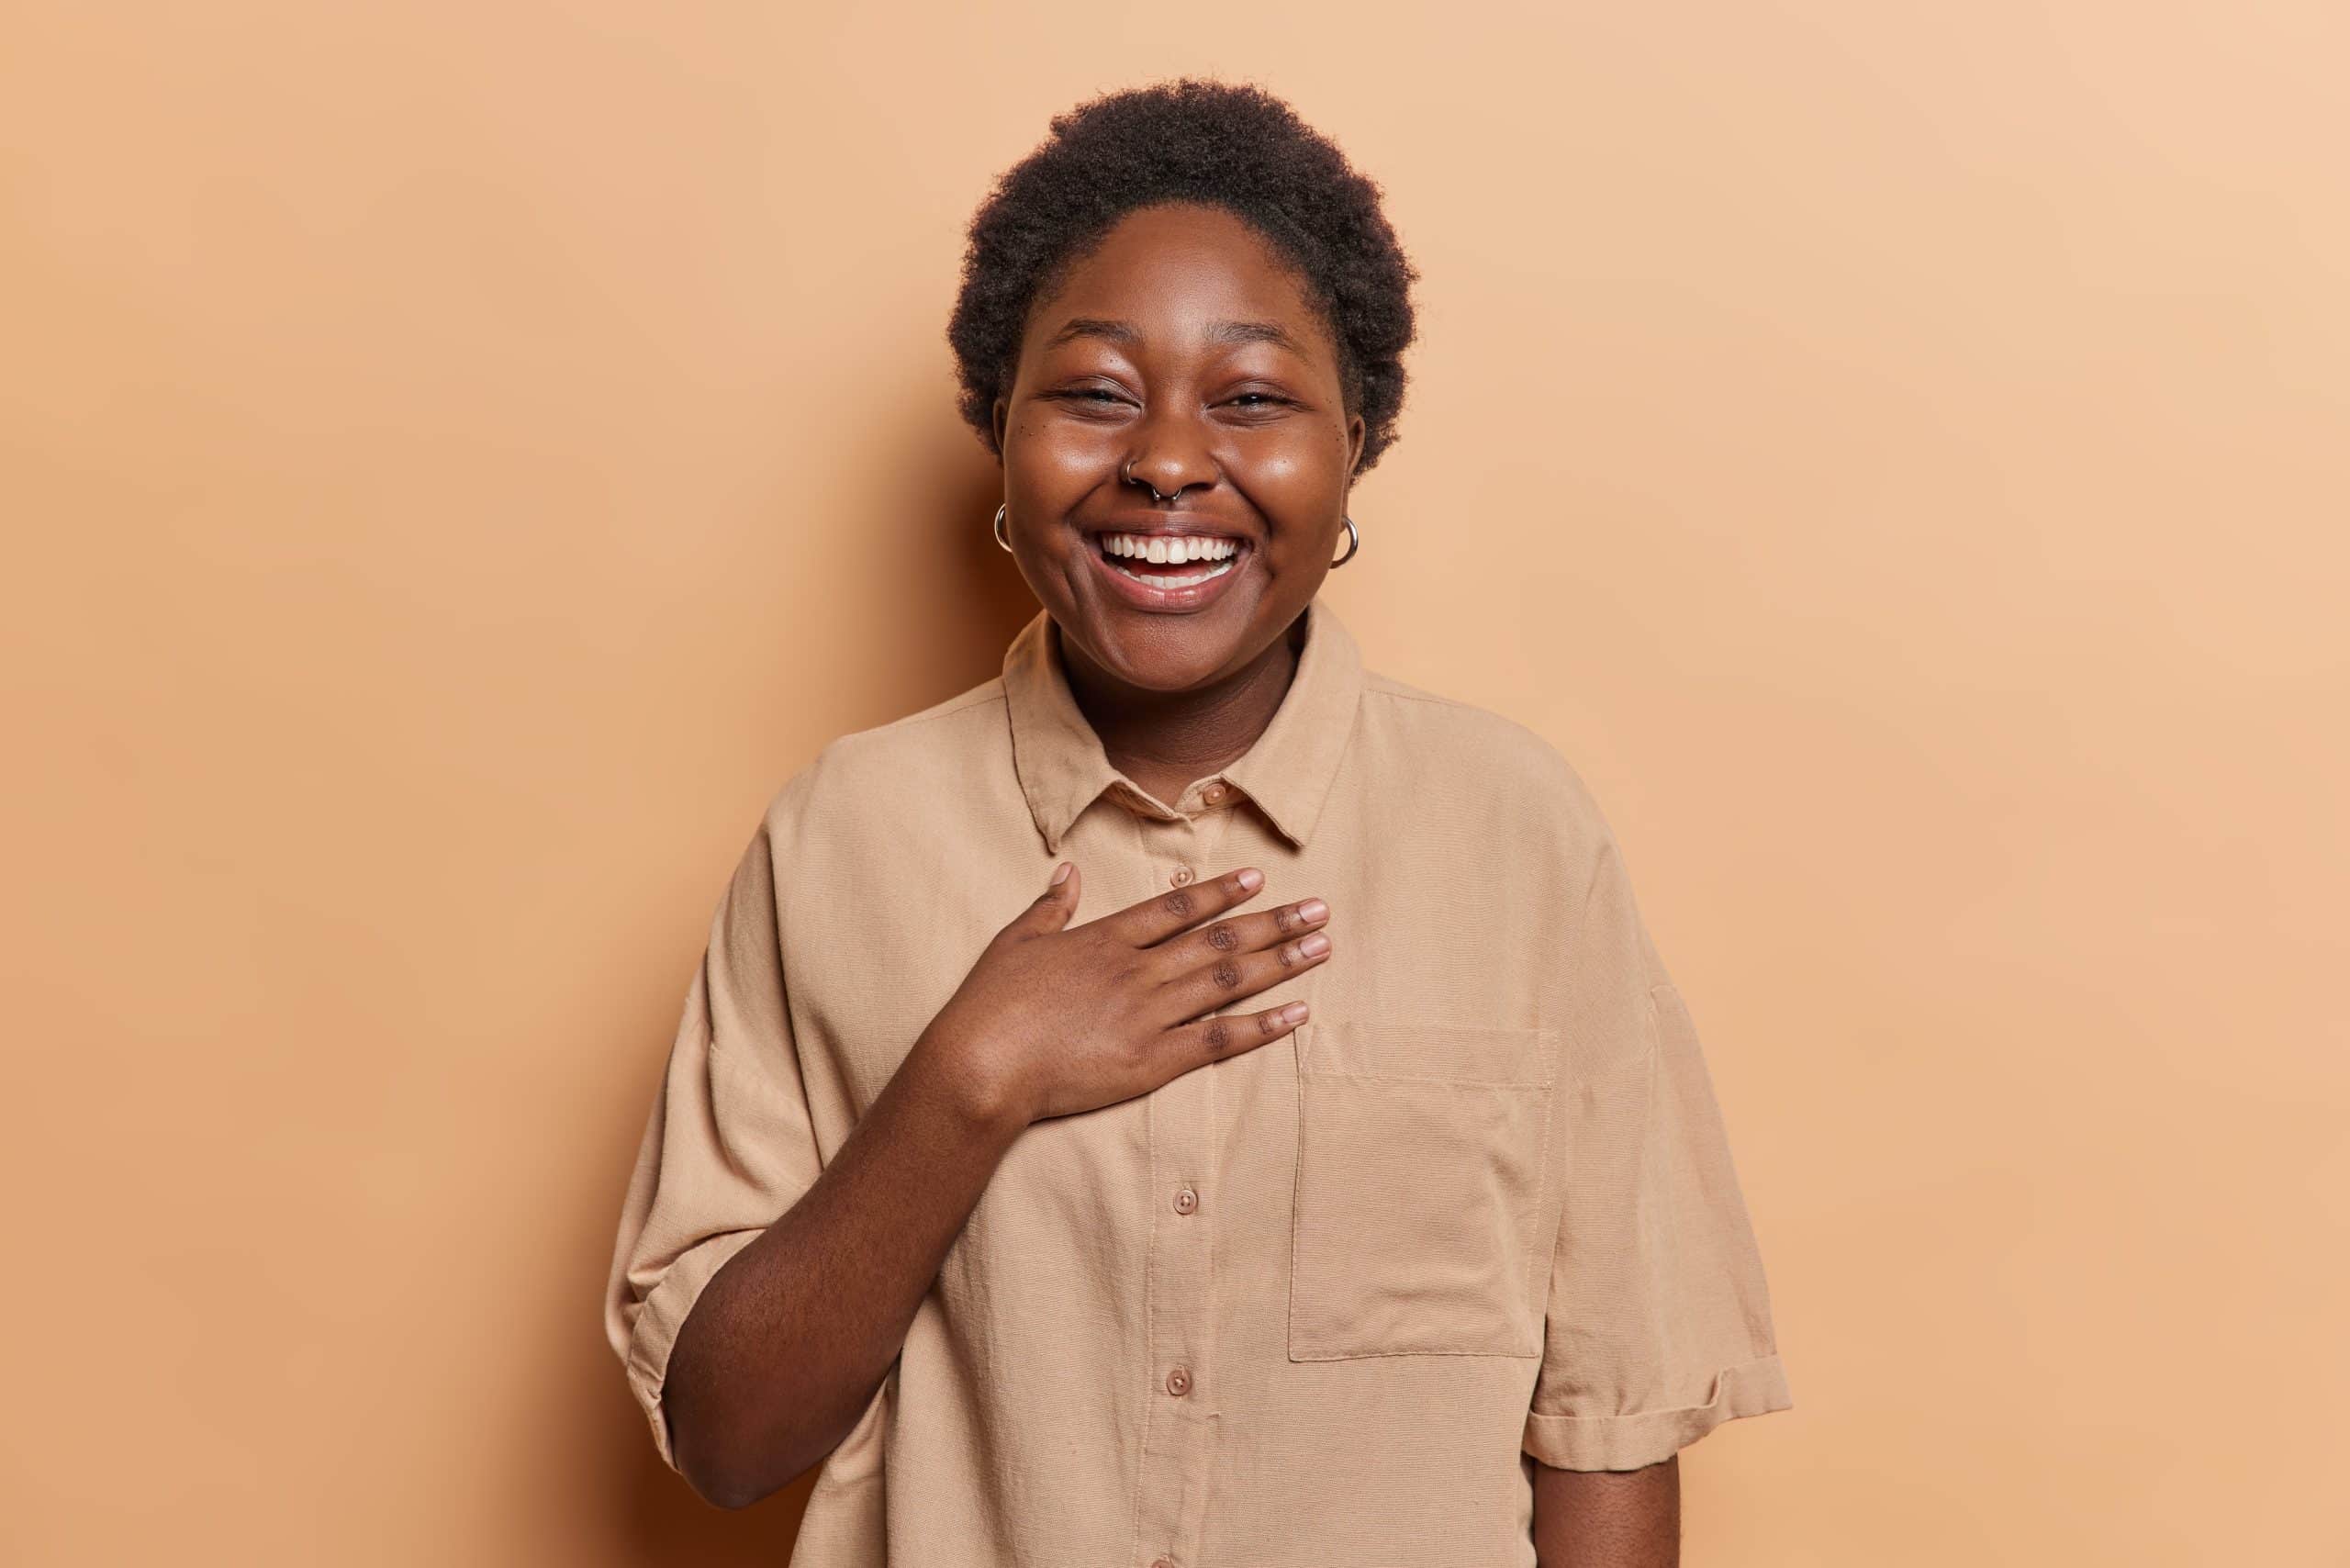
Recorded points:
1124,333
1092,327
1253,332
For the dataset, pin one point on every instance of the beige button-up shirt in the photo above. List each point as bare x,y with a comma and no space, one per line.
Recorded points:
1327,1300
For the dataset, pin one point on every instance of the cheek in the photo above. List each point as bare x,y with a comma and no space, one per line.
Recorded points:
1050,456
1303,472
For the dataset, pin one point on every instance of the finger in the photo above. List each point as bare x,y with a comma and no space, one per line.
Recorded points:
1163,914
1229,1033
1236,975
1052,907
1203,944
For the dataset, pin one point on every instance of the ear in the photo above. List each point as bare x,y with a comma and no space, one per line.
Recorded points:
1358,431
1002,412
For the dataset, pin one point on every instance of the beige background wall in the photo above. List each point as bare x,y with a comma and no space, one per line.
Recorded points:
458,459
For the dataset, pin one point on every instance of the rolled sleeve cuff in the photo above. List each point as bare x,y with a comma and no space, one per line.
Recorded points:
1648,1436
654,1334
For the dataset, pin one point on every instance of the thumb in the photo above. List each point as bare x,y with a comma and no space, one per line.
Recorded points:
1056,903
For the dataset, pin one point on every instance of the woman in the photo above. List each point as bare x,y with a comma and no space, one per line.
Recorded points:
1319,1164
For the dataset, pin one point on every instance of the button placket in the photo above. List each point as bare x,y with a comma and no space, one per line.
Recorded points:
1179,1420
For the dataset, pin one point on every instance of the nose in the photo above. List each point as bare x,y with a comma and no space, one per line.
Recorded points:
1169,454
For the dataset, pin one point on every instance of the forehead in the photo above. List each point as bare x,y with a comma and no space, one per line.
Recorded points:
1173,270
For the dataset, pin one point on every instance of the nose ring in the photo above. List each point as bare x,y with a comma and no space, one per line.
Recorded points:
1127,474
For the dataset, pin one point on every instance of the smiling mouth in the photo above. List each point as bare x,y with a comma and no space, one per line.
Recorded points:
1168,575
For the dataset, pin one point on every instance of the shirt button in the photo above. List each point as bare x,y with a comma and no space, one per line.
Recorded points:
1162,1562
1186,1201
1178,1382
1182,876
1213,794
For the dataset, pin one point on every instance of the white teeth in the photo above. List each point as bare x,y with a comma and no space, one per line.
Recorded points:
1165,582
1161,549
1158,549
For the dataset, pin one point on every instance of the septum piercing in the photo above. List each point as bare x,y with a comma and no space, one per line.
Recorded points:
1127,474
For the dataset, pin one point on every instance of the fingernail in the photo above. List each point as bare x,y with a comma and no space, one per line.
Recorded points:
1294,1012
1251,879
1312,909
1060,873
1314,947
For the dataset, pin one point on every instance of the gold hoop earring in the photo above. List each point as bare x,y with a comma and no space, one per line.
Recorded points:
1354,542
1000,539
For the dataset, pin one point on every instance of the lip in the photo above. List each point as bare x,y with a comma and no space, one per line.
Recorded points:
1174,525
1167,601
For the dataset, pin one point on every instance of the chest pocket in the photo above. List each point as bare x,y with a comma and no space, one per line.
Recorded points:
1415,1221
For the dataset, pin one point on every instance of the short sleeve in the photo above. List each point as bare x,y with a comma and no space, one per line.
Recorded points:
728,1147
1658,1328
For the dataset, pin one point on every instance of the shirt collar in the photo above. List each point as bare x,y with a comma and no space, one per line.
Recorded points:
1288,772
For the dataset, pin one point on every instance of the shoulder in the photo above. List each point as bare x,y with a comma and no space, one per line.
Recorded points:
1470,752
1510,790
912,756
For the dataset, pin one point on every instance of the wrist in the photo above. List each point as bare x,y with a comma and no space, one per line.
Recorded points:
986,1099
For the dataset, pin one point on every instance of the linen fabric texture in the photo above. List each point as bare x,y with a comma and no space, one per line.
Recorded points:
1328,1299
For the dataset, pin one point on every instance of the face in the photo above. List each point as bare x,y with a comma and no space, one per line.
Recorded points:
1183,355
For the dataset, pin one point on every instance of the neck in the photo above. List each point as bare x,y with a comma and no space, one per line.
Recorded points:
1165,741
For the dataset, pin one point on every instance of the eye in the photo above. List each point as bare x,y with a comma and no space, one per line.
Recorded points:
1258,400
1093,401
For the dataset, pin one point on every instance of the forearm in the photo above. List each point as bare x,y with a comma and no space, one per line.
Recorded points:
1608,1518
786,1345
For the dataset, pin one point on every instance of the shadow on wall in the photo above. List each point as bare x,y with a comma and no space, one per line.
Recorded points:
936,630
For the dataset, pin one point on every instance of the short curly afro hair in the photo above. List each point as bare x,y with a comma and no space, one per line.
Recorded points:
1227,144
